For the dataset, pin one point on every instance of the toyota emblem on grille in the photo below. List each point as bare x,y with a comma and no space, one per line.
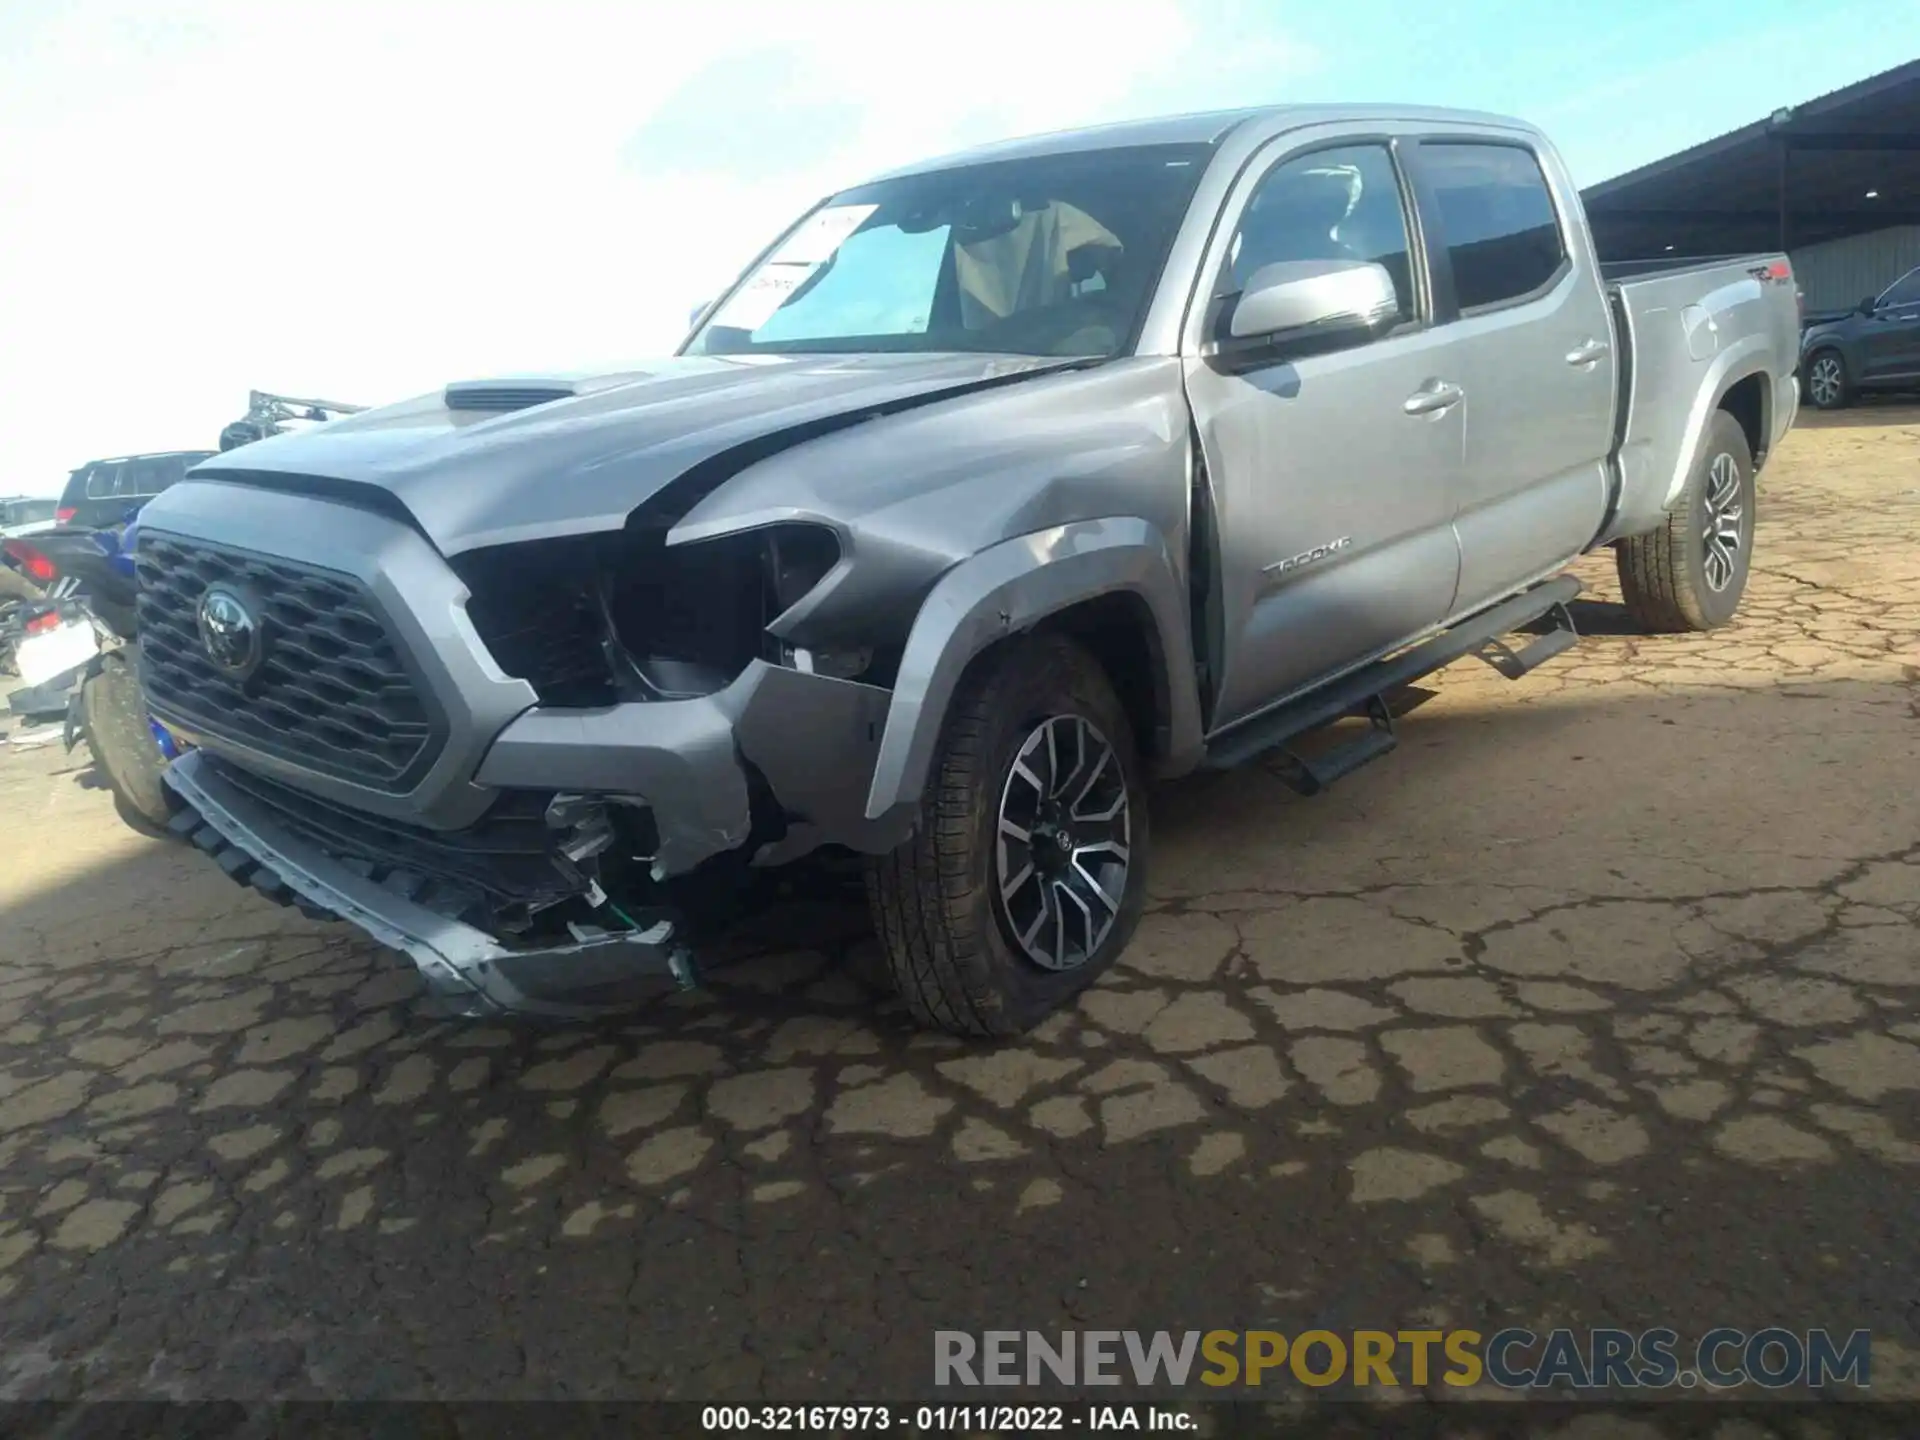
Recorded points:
229,631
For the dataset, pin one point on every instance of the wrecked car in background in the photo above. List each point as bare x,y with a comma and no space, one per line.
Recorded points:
992,487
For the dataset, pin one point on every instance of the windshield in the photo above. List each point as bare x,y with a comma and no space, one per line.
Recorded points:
1051,255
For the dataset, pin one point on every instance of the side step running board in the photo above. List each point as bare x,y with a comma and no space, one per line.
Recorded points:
1365,691
1559,636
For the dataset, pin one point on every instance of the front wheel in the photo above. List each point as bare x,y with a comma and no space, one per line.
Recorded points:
1827,384
1026,874
124,749
1691,572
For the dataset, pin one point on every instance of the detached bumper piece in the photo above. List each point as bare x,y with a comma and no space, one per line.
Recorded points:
48,701
596,975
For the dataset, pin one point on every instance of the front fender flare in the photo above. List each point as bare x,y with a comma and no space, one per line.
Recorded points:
1011,587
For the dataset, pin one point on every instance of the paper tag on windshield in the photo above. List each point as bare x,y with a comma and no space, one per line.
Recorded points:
824,232
753,304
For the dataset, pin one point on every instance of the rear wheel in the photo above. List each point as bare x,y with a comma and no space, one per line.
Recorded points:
1828,385
1026,874
123,746
1691,572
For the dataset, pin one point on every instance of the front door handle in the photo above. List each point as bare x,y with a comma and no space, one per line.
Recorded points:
1433,397
1586,352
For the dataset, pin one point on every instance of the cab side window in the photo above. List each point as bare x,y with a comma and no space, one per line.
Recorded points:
1501,229
1342,204
147,476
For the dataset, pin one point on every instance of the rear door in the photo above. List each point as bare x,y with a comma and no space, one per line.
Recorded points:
1890,340
1518,294
1332,477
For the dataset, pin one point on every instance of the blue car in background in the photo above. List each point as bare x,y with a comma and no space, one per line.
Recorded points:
1875,346
79,656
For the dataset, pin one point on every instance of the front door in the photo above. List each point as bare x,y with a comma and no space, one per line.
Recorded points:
1333,477
1890,340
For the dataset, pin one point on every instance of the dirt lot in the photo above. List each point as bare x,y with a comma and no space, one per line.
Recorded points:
1598,1003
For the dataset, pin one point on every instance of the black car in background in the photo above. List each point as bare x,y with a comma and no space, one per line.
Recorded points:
100,493
1876,347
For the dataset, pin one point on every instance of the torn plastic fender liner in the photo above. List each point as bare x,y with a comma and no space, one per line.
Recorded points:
1009,588
811,737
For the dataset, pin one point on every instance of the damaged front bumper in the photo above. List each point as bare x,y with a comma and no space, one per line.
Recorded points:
810,738
460,963
305,796
780,760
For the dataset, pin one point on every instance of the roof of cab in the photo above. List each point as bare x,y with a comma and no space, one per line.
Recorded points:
1207,127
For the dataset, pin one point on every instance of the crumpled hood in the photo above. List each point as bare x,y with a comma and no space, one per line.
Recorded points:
472,477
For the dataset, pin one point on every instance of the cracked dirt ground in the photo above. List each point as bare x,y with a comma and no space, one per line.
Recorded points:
1598,1003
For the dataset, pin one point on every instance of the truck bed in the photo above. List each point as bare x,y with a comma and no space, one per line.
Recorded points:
1689,332
1614,271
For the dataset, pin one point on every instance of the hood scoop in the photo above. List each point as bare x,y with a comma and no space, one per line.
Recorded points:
503,395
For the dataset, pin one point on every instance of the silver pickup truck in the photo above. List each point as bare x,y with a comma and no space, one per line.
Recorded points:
992,488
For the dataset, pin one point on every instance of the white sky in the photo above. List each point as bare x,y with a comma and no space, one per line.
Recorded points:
363,201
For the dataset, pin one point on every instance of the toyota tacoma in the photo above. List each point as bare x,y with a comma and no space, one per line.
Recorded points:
991,489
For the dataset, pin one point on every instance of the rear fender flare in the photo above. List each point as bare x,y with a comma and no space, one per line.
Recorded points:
1731,366
1012,587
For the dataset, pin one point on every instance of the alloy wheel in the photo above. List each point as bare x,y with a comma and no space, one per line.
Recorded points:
1724,532
1824,381
1063,841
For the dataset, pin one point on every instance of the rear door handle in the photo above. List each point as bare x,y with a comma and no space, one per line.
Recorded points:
1433,397
1586,352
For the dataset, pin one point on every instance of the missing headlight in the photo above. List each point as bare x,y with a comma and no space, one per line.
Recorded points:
798,558
690,618
595,620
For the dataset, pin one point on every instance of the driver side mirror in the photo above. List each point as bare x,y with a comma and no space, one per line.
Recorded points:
1310,305
1866,306
698,310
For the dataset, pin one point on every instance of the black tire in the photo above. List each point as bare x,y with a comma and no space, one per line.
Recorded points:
1673,579
1829,386
123,748
947,933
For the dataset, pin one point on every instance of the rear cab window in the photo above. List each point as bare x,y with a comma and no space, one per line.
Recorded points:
1502,233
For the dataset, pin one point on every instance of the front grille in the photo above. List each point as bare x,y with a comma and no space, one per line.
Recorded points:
331,693
507,857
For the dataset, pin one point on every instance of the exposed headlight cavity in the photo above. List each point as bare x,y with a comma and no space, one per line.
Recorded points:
600,619
798,558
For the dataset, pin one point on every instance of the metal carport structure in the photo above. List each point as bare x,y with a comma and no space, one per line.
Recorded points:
1836,168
